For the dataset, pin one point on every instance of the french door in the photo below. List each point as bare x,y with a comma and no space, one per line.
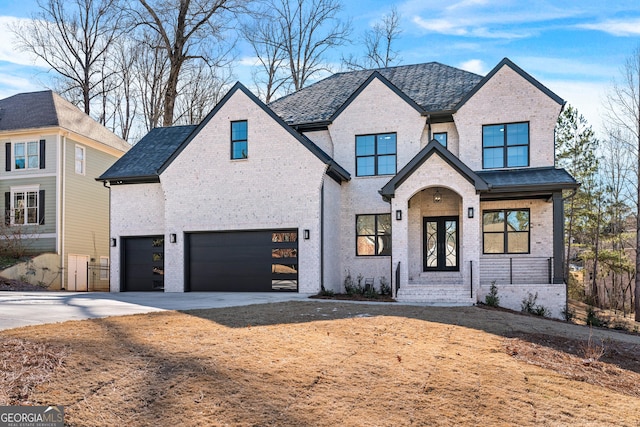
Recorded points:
441,245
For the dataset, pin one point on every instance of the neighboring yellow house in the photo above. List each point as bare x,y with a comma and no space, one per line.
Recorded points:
53,204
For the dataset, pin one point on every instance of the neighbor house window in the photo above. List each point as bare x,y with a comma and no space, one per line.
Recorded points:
26,155
505,231
373,235
505,145
239,140
104,268
80,160
376,154
24,206
441,137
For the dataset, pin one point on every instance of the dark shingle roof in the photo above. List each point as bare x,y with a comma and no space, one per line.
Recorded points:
433,86
148,155
28,110
34,110
545,178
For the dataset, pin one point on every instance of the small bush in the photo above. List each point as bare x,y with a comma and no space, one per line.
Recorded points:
593,319
349,285
385,286
529,306
591,350
359,287
492,299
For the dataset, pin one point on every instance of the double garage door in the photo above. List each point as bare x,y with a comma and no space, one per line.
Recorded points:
239,261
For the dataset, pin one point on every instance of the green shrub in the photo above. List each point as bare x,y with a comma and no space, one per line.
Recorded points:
529,306
385,286
492,299
593,319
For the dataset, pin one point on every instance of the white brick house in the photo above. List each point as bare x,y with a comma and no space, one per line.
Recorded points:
437,180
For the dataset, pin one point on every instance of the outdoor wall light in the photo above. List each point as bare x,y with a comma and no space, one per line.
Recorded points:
172,238
437,197
470,212
113,242
399,215
306,234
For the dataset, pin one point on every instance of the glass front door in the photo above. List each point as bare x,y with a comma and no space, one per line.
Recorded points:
440,243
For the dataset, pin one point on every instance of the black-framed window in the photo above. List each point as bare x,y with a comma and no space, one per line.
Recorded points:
441,137
505,145
373,235
506,231
239,144
376,154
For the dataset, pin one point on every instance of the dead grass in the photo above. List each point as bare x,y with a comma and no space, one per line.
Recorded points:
322,363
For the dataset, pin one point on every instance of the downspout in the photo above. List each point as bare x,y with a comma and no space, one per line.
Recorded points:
108,186
322,288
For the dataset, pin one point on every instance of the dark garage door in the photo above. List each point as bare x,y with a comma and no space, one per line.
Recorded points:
242,261
143,268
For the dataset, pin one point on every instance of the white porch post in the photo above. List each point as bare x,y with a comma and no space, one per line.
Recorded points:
471,242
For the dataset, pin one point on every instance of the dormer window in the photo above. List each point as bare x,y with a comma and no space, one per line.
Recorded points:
505,145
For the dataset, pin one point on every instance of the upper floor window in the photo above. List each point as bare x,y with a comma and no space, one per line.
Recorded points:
505,231
239,143
441,137
26,155
505,146
80,160
25,205
376,154
373,234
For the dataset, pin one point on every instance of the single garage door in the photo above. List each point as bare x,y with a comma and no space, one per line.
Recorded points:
242,261
143,268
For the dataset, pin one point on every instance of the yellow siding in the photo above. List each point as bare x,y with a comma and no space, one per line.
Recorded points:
86,210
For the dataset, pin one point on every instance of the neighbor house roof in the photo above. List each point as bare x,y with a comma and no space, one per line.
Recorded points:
34,110
143,161
433,86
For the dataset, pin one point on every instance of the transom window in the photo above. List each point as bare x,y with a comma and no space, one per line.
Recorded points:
505,145
505,231
26,155
24,206
376,154
239,145
441,137
373,235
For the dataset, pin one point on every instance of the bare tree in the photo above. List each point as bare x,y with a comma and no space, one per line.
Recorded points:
307,30
73,38
186,30
378,42
623,113
200,91
267,41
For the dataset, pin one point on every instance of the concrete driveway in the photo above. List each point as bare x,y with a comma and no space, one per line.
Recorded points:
35,308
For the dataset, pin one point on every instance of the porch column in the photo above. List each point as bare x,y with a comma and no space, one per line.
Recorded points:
558,238
399,242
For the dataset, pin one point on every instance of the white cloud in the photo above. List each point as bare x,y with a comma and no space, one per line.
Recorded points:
574,68
586,97
624,28
9,51
474,66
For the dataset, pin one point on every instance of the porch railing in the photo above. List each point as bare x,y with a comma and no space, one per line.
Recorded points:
516,270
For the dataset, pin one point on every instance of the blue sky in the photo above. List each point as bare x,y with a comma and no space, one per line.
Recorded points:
576,48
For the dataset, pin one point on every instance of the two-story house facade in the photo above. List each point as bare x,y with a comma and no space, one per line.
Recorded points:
431,178
53,205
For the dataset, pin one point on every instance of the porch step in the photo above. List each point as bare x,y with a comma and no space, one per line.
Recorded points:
440,294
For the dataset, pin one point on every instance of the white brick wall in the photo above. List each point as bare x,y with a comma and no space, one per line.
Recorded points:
551,297
508,98
136,210
377,110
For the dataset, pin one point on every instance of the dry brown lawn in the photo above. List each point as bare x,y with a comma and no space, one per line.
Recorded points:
322,363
